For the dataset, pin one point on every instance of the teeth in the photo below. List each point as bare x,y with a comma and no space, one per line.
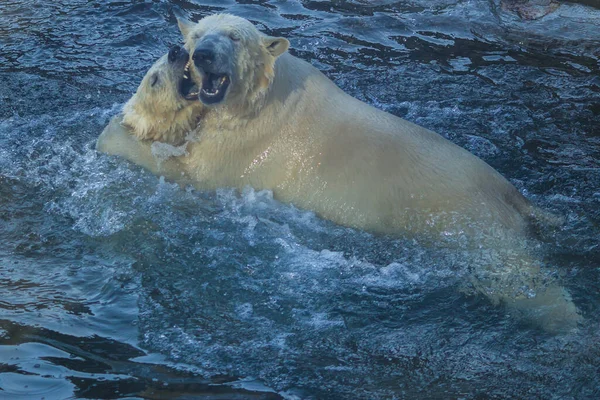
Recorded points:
186,76
223,79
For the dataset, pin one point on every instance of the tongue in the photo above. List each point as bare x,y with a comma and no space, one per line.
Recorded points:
212,83
216,81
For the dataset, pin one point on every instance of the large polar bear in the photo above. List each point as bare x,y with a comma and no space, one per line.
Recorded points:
273,121
276,122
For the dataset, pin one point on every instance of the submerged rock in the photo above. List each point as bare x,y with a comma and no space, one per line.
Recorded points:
530,9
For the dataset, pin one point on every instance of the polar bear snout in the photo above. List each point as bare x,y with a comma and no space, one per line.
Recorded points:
178,53
210,57
203,57
212,54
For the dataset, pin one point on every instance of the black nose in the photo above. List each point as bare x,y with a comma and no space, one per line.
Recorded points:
203,56
174,52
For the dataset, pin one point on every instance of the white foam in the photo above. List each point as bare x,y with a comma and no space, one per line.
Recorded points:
164,151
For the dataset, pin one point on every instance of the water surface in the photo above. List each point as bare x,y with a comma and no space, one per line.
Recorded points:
117,284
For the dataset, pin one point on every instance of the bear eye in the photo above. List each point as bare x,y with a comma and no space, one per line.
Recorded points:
153,80
234,36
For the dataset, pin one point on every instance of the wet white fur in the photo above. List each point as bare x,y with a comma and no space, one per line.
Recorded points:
286,127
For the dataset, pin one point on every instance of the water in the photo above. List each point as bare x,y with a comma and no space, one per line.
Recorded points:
116,284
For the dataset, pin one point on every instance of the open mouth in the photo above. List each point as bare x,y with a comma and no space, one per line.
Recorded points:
187,87
214,87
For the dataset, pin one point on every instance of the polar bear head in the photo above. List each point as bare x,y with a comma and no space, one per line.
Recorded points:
232,62
165,106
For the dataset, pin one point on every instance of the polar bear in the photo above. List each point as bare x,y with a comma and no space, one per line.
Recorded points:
272,121
275,122
164,110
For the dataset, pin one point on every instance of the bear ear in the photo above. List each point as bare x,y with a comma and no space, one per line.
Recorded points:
185,26
276,46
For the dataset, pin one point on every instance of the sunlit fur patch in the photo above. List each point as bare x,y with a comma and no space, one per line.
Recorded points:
267,75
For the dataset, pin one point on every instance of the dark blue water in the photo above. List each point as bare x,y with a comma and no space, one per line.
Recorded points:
116,284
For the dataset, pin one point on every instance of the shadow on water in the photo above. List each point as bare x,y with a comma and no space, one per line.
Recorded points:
115,284
97,367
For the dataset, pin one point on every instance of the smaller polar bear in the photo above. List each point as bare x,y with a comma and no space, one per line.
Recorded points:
272,121
158,117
